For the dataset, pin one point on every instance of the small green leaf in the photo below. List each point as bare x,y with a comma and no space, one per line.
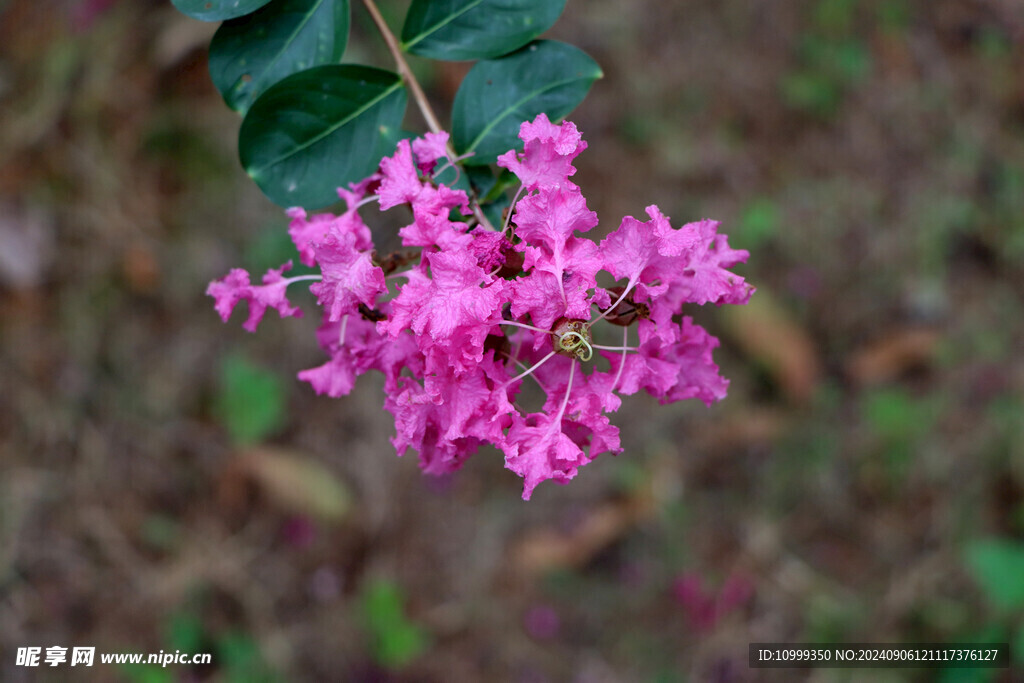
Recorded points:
146,673
893,413
160,531
475,29
251,53
758,223
893,16
1017,645
811,91
998,567
835,16
958,674
251,400
497,95
397,641
965,672
240,656
185,632
319,129
218,10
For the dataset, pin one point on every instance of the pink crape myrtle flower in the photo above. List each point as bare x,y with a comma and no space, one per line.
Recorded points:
459,319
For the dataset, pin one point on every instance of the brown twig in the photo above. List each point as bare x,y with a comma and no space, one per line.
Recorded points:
417,92
403,67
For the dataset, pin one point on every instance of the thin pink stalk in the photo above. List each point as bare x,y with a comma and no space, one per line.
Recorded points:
618,301
367,200
622,361
302,278
530,370
513,323
568,390
511,207
614,348
341,332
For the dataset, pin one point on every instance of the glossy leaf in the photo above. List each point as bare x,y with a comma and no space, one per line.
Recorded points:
319,129
251,53
475,29
218,10
497,95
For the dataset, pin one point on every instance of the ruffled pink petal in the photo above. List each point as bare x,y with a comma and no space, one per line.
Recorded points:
546,160
348,276
400,183
228,291
428,149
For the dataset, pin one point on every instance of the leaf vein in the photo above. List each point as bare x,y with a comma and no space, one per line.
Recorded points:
430,30
515,105
254,171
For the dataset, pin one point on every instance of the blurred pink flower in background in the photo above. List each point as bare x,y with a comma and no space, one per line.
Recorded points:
704,608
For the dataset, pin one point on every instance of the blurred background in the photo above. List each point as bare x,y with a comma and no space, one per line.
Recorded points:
167,484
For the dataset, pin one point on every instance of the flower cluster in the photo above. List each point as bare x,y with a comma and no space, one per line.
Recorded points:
479,310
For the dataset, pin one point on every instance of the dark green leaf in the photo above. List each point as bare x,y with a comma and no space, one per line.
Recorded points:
388,141
320,129
475,29
504,181
491,191
495,211
498,95
251,53
218,10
